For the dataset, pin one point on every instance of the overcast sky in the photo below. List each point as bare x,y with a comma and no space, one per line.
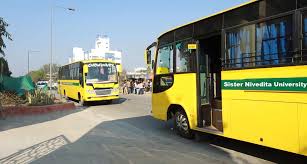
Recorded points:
130,24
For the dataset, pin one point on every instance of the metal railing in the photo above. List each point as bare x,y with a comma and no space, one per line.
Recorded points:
257,59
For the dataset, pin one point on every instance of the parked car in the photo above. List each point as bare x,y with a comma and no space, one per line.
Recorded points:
53,86
41,84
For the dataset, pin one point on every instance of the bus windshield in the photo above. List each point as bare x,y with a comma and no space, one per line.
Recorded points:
101,73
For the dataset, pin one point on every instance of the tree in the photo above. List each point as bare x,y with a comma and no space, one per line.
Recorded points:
4,67
5,34
37,75
43,72
46,68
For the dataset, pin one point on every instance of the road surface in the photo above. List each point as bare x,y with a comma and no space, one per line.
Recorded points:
123,132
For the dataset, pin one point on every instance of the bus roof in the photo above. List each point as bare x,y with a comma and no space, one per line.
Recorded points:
92,61
212,15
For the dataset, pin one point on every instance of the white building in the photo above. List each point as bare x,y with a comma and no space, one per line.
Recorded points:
139,73
101,51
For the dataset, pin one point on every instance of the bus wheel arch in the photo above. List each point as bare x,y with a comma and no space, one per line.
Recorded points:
181,121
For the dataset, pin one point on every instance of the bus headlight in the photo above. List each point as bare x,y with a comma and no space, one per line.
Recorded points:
91,92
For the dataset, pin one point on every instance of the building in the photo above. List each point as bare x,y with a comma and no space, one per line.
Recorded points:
102,50
139,73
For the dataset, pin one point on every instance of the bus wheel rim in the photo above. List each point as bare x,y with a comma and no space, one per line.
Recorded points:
182,123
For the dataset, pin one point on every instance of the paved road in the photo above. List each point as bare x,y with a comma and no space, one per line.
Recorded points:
119,133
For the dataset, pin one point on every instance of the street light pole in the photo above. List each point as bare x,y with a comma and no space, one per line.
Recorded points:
51,47
51,42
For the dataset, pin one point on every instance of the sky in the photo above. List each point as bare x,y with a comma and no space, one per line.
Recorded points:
131,25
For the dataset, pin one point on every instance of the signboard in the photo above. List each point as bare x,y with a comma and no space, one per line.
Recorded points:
298,84
192,46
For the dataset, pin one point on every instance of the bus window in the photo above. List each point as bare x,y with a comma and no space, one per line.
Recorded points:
265,43
165,60
101,73
184,58
274,42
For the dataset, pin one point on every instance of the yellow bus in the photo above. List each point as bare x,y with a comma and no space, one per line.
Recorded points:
89,80
240,73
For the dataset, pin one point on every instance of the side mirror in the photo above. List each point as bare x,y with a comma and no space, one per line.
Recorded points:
152,64
148,57
85,75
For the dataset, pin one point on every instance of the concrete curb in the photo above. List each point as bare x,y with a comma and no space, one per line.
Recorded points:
36,110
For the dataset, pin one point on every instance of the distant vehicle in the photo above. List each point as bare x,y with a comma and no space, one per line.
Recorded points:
41,84
53,85
89,80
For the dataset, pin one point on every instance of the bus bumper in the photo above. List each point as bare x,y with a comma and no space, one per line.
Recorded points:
102,98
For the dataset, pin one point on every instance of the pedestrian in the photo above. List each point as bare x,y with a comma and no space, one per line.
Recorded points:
142,88
146,88
125,88
135,84
128,84
131,86
150,85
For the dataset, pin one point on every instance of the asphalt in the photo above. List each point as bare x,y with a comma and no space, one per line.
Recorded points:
123,132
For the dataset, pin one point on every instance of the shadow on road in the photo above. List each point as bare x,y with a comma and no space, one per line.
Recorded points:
135,140
269,154
146,140
98,103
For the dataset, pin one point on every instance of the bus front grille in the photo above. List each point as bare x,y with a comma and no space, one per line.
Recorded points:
102,92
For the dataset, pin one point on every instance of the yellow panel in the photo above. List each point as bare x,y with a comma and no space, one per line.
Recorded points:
192,46
303,128
183,92
270,115
272,122
162,70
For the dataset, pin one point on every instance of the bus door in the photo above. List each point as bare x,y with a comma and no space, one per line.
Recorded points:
209,84
203,91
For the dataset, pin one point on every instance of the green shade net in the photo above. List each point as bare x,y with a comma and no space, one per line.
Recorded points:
19,85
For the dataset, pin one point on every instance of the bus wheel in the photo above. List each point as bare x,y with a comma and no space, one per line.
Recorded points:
81,101
182,126
65,94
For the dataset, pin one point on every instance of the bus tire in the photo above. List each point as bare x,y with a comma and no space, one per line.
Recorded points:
81,101
65,94
182,126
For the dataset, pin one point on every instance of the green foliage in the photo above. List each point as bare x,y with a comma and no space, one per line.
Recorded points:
43,72
37,75
3,33
4,67
40,97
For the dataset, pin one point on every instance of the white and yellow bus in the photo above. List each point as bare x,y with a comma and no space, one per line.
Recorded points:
240,73
89,80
